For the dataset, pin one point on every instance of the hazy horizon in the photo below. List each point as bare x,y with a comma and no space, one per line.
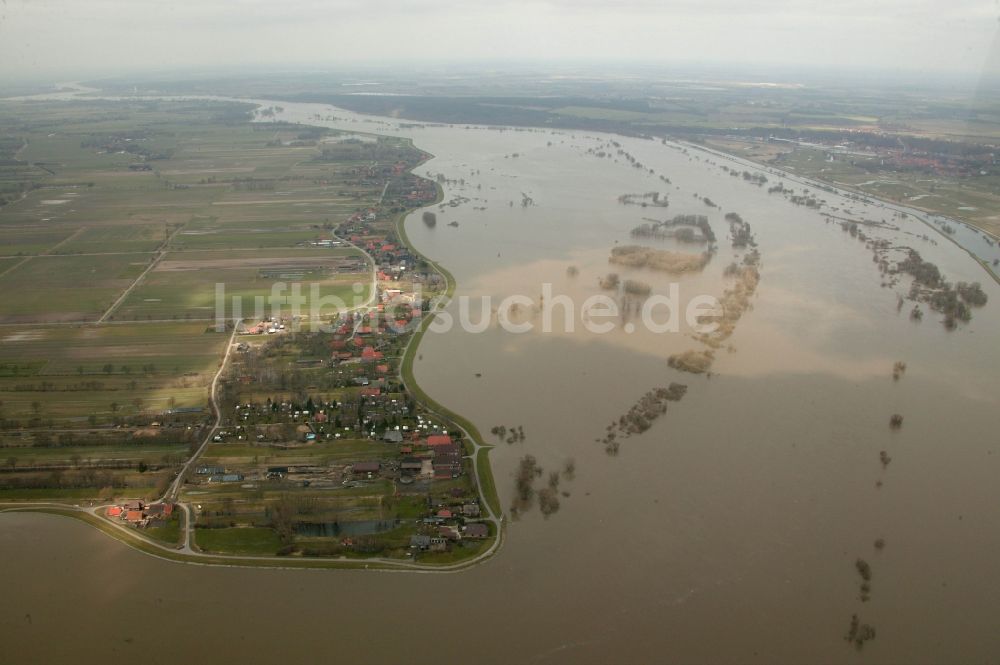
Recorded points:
109,38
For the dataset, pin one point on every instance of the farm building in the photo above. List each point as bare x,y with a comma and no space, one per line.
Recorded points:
366,467
477,531
438,440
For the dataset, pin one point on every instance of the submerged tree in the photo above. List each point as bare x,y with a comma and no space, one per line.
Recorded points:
859,633
898,369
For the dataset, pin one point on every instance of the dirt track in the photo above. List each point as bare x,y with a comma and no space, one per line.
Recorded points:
258,262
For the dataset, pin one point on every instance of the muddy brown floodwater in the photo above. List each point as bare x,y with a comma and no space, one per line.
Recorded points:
727,532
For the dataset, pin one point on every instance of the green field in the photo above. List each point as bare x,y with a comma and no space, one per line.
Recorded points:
168,532
6,263
67,288
28,241
323,453
239,540
49,494
108,239
68,373
189,291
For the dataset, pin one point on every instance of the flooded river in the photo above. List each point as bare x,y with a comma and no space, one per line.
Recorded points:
727,532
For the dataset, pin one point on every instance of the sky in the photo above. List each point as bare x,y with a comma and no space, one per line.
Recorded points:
62,39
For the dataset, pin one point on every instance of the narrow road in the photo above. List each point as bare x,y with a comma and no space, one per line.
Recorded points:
16,265
171,493
188,523
47,252
160,253
368,305
62,242
121,322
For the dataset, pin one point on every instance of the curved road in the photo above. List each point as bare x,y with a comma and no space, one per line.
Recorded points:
193,557
171,493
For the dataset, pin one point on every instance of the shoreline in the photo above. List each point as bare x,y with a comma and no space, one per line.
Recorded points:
484,473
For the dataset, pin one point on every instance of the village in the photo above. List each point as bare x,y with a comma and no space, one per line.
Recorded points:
321,449
322,420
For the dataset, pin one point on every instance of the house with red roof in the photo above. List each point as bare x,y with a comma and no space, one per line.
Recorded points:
447,452
445,471
438,440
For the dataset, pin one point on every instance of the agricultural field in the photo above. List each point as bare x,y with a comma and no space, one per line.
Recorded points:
104,190
210,233
8,262
117,219
114,239
29,241
66,376
183,284
49,289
